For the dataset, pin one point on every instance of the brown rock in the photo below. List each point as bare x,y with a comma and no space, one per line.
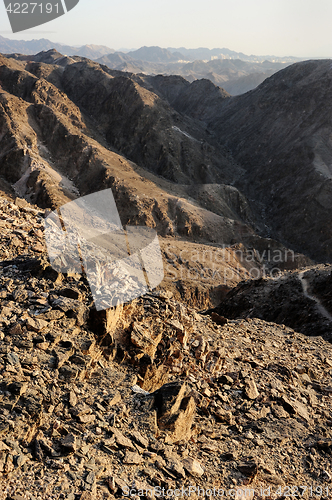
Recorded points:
86,419
35,324
132,458
72,398
279,412
251,389
38,247
193,467
15,330
154,378
144,338
141,440
181,333
295,407
121,440
63,356
219,320
115,399
69,442
224,416
104,323
248,469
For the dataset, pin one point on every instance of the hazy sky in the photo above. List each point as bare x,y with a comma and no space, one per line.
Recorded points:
278,27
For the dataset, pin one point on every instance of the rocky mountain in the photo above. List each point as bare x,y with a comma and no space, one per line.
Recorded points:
70,127
280,133
203,53
220,379
190,134
155,54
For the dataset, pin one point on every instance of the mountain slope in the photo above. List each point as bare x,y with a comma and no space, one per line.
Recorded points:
281,134
70,127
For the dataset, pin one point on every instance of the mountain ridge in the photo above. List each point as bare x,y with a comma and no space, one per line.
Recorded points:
235,71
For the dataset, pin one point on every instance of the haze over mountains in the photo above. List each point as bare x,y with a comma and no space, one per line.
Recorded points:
235,71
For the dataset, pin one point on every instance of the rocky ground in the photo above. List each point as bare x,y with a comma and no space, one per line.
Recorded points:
150,395
300,299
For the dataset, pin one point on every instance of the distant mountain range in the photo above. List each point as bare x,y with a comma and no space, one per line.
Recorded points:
8,46
236,76
236,72
151,54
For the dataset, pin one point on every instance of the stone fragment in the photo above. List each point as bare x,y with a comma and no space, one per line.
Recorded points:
35,324
193,467
132,458
38,247
69,443
175,411
72,398
295,407
174,465
138,438
13,359
219,320
15,330
116,398
155,377
144,339
90,478
68,372
87,419
63,356
181,332
248,469
251,389
279,411
121,440
224,416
